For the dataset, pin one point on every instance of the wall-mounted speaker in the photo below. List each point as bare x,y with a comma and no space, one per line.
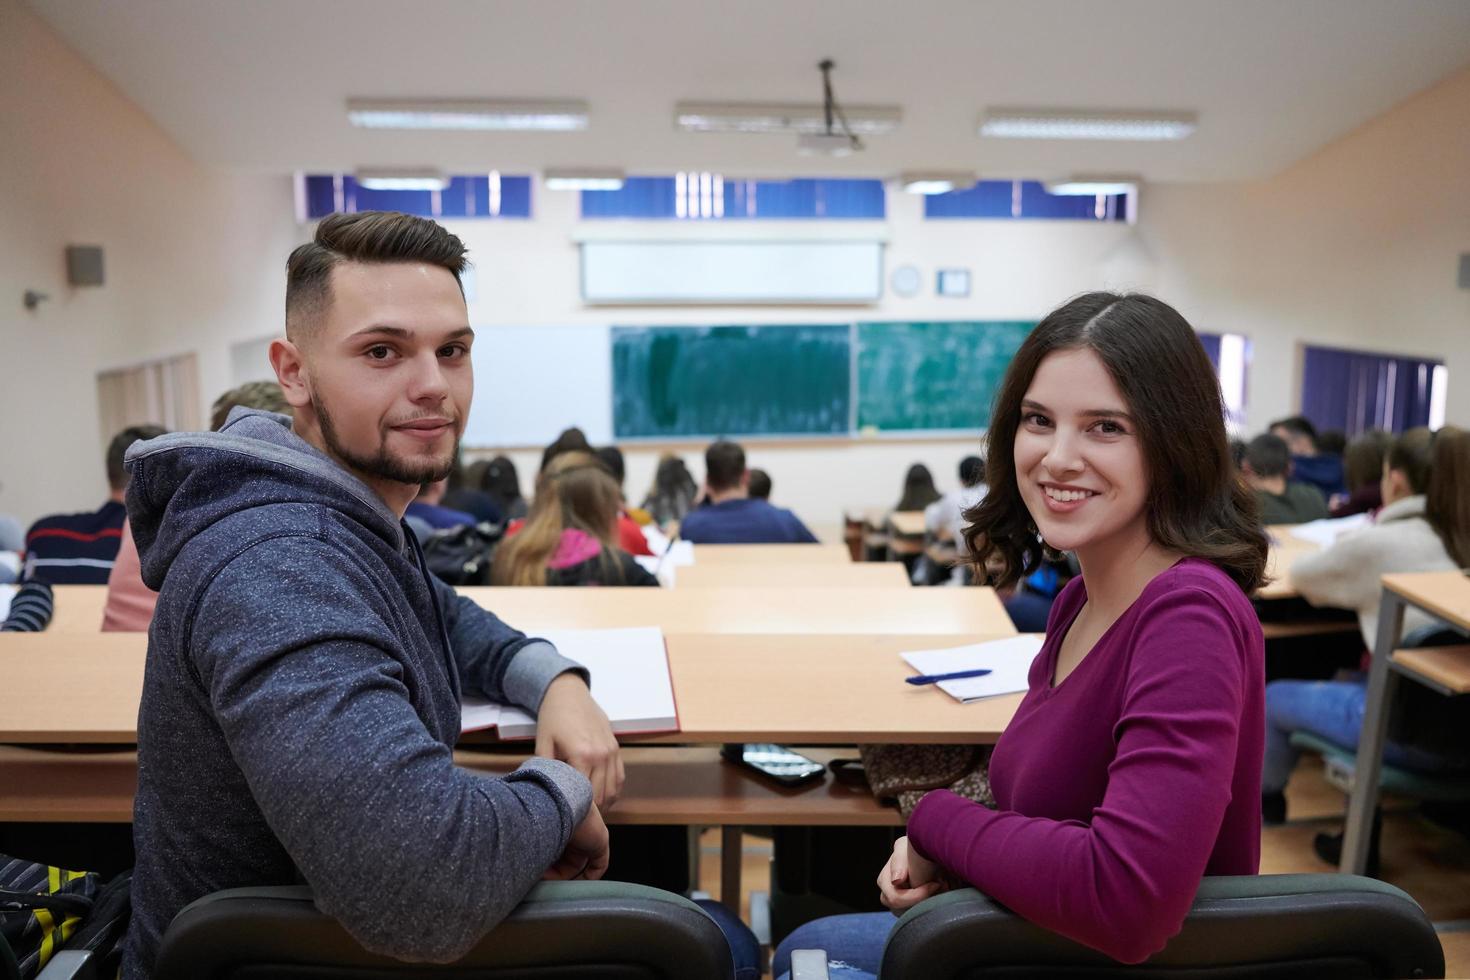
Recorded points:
84,265
1465,270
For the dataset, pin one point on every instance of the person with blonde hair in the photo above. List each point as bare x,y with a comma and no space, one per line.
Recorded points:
570,536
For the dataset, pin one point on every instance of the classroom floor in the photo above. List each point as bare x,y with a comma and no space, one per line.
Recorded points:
1430,862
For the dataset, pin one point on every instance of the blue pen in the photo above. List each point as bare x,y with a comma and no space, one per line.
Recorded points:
954,676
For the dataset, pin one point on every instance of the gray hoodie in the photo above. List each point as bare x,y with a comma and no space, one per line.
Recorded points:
300,702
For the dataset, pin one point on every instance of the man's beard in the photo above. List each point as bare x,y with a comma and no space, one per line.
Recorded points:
383,464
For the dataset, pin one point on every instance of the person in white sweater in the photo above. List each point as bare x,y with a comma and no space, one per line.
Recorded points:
1424,526
1348,574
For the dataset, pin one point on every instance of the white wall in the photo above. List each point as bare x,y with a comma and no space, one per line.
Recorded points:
1355,246
193,258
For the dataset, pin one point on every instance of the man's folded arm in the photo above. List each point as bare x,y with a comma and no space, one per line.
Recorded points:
414,856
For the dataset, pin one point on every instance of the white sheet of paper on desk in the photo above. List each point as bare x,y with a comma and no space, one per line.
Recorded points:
1008,660
630,679
1326,531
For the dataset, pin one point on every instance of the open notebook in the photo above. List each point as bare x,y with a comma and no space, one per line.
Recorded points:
630,681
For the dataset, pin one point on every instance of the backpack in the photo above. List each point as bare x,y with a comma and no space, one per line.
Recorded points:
462,555
45,909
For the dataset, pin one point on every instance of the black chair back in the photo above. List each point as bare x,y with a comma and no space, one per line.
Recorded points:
562,931
1269,927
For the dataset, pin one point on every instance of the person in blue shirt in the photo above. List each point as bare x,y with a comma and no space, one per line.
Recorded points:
1308,463
730,515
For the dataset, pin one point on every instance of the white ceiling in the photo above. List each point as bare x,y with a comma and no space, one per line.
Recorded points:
259,85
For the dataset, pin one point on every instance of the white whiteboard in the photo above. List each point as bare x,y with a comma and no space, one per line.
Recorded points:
533,382
732,271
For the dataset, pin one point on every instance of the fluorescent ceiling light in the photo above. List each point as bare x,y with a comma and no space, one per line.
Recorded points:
466,114
935,183
1086,124
721,117
384,179
1083,186
583,179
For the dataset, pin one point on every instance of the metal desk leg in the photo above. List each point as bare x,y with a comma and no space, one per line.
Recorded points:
1364,799
732,858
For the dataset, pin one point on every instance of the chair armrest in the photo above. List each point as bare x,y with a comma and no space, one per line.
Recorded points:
808,964
70,964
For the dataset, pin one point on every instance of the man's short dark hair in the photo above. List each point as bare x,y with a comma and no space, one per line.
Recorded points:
1267,455
760,484
724,465
367,236
117,474
972,471
1297,425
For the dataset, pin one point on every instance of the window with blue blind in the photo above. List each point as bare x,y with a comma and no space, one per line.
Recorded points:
1024,199
1353,390
1230,354
490,195
697,196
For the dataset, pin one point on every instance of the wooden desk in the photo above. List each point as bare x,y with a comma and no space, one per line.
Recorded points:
853,575
1286,548
665,785
771,554
909,523
735,688
1444,595
78,608
764,610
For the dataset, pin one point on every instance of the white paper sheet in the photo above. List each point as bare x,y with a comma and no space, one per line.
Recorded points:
1008,660
1326,531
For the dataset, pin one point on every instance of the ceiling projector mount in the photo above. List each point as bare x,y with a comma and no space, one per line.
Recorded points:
831,142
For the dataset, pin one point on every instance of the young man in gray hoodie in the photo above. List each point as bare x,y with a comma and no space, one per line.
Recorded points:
301,695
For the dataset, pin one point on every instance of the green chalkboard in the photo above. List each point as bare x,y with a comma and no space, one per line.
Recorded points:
735,381
927,376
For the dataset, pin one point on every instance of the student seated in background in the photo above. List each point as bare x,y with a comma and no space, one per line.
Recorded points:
731,516
612,458
300,697
1129,770
130,602
759,485
630,529
944,518
573,440
918,489
462,493
1363,468
426,513
1309,464
1424,526
79,549
501,481
570,535
1267,470
673,493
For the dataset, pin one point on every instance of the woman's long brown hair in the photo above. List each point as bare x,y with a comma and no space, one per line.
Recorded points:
573,491
1197,504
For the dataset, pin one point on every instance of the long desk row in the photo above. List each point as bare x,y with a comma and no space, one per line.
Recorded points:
737,687
766,609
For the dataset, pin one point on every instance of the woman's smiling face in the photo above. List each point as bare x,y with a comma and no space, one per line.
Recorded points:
1079,464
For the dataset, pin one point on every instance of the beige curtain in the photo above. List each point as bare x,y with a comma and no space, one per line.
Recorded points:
163,392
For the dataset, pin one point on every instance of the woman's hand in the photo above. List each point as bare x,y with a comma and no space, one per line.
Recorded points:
908,878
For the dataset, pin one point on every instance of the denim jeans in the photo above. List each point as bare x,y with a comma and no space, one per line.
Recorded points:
744,947
854,944
1328,709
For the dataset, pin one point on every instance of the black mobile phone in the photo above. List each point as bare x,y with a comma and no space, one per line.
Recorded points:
775,762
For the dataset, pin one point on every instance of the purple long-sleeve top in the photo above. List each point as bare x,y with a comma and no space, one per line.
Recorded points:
1119,788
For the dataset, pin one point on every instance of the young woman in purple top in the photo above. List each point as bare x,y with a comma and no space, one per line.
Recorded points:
1132,767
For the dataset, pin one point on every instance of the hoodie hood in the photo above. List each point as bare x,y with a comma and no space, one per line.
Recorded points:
184,482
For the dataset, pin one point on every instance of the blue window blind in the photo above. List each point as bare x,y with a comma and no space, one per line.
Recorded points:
714,197
1024,199
477,196
1353,391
